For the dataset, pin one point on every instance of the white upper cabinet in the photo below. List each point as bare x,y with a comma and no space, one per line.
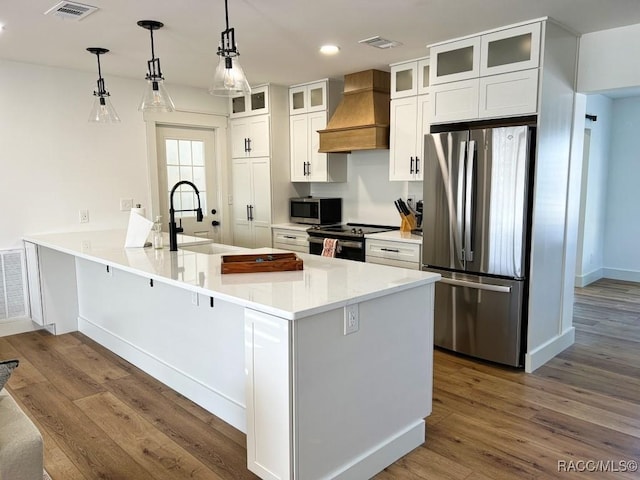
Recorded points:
257,102
308,98
510,50
250,137
410,78
453,61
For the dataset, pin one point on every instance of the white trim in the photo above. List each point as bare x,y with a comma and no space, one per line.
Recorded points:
545,352
384,454
18,325
219,124
208,398
586,279
621,274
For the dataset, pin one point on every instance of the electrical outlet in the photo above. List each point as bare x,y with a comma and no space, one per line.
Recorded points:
194,298
84,216
411,201
230,200
126,204
351,319
85,246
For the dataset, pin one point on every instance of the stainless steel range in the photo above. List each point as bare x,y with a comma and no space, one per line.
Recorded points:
351,240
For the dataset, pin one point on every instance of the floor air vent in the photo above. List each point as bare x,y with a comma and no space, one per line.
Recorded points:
74,10
13,289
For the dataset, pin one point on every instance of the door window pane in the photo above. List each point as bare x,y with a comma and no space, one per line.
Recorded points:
425,76
189,155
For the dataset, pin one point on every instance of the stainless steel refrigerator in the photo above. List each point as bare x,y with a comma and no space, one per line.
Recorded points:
476,235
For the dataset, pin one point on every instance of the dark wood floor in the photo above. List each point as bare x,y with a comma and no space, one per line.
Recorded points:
102,418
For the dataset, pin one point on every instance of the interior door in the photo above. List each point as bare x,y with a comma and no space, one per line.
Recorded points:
444,201
188,153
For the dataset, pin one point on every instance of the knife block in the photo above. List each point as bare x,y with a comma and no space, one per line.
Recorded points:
408,223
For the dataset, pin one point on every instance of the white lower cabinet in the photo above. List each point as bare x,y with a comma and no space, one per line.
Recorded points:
251,202
293,240
393,253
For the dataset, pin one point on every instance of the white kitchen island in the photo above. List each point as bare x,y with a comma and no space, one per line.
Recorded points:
319,393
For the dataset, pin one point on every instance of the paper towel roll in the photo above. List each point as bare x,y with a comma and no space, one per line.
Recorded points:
139,210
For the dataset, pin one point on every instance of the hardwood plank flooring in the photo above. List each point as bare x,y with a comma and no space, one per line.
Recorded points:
102,418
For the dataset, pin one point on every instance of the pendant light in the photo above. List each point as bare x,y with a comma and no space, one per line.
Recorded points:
229,78
102,111
155,98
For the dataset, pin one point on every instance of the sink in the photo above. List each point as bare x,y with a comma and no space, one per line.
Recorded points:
213,248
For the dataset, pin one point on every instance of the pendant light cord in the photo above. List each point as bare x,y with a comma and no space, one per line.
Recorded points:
226,13
153,54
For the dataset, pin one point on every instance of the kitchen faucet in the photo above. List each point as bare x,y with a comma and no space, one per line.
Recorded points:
173,228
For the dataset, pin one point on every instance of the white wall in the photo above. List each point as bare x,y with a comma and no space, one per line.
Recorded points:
609,59
590,259
622,220
368,194
54,163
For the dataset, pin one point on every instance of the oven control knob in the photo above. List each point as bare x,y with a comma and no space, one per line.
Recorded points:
360,232
353,230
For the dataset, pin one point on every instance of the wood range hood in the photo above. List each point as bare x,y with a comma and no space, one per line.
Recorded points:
361,120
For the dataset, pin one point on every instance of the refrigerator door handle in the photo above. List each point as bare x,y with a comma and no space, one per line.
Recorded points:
468,210
477,286
459,203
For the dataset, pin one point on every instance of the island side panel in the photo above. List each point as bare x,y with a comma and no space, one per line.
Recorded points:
197,350
269,393
360,399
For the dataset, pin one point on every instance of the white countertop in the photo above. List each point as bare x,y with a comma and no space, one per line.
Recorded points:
292,226
324,284
397,236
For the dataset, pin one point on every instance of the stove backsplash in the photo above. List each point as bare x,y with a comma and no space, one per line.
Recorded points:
368,195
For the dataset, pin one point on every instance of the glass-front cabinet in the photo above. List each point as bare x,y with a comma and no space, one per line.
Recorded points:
453,61
308,98
257,102
510,50
410,78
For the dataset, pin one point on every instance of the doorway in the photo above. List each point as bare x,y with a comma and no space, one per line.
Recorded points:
188,153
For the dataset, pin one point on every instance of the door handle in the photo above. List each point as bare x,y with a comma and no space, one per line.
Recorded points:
468,202
411,166
459,202
477,286
215,223
417,169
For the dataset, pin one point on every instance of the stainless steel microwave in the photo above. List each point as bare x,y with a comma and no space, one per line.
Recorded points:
315,210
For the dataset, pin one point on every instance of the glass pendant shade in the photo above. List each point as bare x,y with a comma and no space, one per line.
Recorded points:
156,98
229,78
103,111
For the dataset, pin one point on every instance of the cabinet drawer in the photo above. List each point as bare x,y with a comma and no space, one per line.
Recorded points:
407,252
290,238
509,94
393,263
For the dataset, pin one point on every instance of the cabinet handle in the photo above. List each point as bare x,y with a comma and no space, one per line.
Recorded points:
289,237
390,250
304,168
245,145
248,145
308,168
411,167
248,213
251,212
417,169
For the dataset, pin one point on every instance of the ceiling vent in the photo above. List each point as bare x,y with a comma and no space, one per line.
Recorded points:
74,10
379,42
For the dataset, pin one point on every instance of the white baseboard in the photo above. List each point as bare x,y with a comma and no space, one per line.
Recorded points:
191,388
13,327
620,274
383,455
584,280
545,352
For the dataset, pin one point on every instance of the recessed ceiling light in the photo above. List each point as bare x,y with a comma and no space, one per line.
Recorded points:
329,49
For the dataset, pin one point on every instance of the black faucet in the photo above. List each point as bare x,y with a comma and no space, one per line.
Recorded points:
173,228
